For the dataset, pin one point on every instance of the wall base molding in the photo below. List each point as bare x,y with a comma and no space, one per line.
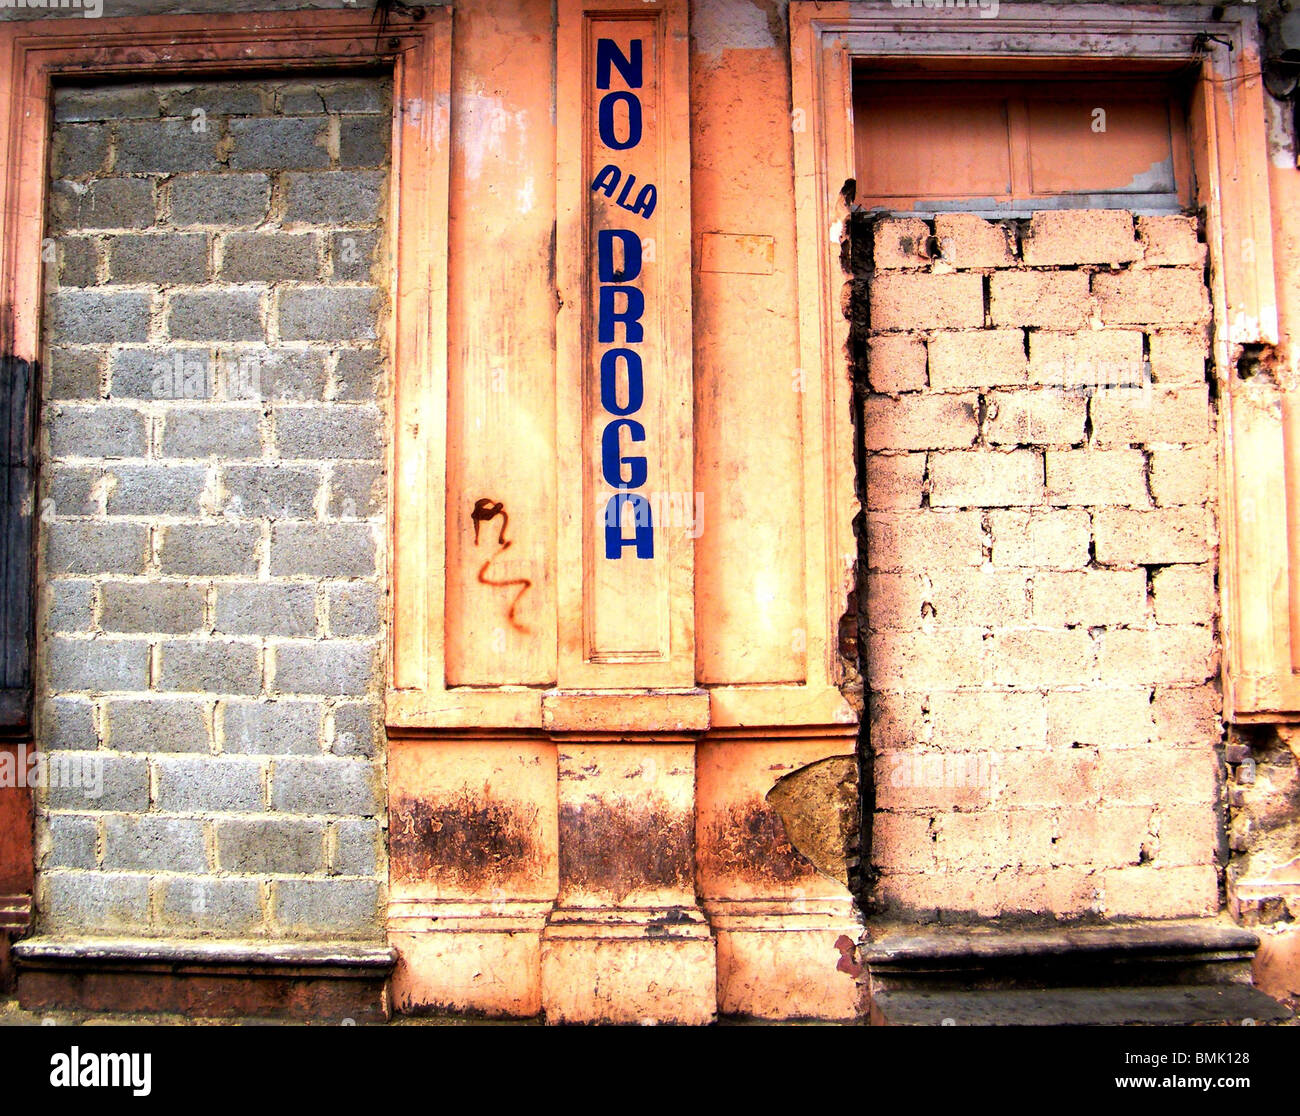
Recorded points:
319,981
629,965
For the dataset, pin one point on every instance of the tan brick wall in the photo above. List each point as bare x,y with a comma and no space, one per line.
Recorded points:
1042,598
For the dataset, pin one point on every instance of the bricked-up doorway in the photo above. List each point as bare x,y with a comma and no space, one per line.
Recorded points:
1031,339
213,506
230,264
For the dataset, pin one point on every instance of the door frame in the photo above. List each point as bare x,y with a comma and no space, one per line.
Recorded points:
36,55
1260,580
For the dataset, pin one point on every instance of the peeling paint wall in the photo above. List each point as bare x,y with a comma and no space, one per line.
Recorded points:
1263,835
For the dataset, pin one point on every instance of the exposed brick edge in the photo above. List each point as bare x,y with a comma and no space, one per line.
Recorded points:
15,913
15,921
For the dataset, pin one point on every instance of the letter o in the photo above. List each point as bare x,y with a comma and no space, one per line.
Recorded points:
609,382
607,133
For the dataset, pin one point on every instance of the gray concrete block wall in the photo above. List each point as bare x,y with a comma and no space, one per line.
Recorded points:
213,511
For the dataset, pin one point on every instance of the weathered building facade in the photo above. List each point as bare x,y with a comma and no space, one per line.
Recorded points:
622,511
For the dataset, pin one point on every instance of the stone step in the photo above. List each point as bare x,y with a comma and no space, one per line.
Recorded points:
1224,1004
966,958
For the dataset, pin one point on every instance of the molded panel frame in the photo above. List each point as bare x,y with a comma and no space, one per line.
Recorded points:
1259,526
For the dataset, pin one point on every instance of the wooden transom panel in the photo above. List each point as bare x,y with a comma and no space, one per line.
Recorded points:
1005,148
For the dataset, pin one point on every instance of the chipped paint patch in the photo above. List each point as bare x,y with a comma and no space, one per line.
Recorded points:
486,130
818,807
730,25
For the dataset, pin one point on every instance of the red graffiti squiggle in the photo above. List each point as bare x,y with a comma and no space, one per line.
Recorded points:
484,512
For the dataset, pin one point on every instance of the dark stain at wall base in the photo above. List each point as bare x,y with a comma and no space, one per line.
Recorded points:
620,847
471,840
749,841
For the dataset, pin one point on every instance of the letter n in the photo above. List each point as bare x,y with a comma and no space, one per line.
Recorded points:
608,54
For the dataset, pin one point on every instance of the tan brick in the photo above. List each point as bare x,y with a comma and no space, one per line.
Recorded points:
921,660
1054,777
901,841
1043,417
894,480
1097,477
968,598
1149,891
1061,892
970,241
1186,834
1028,659
1080,236
1124,836
959,598
925,779
1054,838
1047,539
987,719
949,890
921,539
986,358
1052,299
1179,356
904,301
1185,594
1158,774
894,601
1184,474
1167,296
1168,654
1035,840
1108,717
1187,714
1161,414
896,362
984,479
1043,839
988,892
1087,359
1090,597
978,839
1075,834
898,720
1158,537
900,242
916,422
1170,241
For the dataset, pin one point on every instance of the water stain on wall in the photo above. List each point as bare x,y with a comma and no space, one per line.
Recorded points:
749,841
626,846
471,839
